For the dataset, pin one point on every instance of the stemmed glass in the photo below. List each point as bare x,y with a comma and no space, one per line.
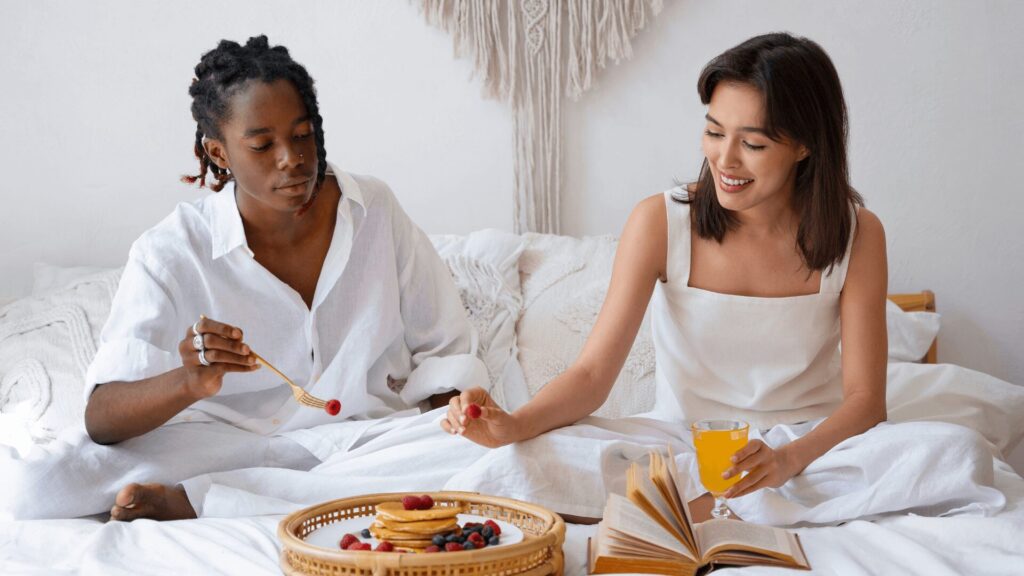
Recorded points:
716,441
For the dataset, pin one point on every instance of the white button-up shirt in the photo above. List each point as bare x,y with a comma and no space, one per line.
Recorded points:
385,311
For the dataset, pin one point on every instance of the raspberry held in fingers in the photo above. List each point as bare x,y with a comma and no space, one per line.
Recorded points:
474,411
333,407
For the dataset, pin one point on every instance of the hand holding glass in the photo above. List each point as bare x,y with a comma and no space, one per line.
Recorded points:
716,441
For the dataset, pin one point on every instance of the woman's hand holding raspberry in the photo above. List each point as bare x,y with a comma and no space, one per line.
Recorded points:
475,415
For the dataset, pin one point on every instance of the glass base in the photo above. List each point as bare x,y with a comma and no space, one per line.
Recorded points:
720,510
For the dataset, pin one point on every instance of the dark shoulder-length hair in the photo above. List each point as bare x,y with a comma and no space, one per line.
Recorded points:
803,101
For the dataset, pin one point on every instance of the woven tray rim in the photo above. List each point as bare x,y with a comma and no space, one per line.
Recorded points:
553,536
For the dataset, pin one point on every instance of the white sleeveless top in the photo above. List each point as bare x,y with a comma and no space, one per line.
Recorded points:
767,361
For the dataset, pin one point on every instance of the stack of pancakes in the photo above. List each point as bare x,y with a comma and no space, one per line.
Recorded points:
414,528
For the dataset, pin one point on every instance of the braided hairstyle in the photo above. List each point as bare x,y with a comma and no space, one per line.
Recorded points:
221,73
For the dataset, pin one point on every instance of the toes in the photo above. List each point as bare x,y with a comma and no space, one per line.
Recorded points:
122,514
129,496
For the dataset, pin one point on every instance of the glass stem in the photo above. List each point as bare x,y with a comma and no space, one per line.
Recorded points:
720,510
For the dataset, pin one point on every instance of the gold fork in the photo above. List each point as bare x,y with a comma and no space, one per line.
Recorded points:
301,395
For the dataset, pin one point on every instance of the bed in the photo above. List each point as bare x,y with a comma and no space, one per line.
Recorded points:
560,283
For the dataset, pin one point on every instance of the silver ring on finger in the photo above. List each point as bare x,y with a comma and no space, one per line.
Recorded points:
195,327
202,358
197,342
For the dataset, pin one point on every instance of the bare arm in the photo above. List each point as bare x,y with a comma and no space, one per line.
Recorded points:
580,390
862,313
117,411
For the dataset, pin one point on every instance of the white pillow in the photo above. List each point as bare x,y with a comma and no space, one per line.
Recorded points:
565,280
910,333
485,268
46,344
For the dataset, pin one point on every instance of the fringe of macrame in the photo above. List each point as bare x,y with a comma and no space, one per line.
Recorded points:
516,48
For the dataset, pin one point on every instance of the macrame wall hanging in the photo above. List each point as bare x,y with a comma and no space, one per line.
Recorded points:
518,48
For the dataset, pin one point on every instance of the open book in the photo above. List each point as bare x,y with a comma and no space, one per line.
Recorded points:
651,531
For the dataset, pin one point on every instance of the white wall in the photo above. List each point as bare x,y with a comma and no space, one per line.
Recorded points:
96,129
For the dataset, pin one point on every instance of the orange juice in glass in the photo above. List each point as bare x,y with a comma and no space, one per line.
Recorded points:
716,441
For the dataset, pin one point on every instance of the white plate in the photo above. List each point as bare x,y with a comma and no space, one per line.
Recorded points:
329,536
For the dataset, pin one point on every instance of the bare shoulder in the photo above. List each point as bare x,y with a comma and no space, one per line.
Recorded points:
644,240
870,234
647,223
868,262
650,210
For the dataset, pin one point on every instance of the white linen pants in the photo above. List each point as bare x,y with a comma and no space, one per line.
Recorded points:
73,476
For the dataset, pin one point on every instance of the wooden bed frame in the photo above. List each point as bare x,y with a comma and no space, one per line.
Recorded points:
923,301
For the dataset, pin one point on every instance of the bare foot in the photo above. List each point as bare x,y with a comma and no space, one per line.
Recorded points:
154,501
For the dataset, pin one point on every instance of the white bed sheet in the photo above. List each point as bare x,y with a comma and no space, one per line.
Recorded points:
899,543
896,545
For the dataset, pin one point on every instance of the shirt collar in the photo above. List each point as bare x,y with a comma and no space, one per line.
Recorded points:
226,227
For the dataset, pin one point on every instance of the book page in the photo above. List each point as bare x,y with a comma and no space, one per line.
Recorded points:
727,534
666,478
622,516
642,492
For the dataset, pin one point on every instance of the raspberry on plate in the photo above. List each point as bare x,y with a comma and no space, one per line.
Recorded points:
494,527
426,502
385,546
411,502
347,540
453,547
361,546
430,549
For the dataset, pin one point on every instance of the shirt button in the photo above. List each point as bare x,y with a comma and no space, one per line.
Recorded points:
275,421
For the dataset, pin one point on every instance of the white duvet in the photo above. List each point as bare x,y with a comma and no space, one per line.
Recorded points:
926,493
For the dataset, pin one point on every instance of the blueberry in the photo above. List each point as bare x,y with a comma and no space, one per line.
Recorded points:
365,533
453,537
494,541
468,546
487,532
439,540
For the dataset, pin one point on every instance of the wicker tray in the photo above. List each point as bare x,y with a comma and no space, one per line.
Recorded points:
539,554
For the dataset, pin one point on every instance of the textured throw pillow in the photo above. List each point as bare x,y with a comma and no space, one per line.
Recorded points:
485,268
46,345
564,282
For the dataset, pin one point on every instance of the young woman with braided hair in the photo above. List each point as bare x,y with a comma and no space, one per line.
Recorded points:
317,270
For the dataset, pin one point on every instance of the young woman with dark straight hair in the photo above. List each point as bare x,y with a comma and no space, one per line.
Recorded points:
757,271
